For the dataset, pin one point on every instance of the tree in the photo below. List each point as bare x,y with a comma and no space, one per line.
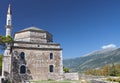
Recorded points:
106,70
117,67
66,70
88,72
5,39
1,64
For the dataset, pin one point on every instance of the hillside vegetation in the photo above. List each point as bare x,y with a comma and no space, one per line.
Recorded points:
107,70
94,60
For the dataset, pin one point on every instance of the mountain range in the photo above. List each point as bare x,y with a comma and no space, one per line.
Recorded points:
93,60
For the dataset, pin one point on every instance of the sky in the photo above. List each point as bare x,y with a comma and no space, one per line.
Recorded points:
80,26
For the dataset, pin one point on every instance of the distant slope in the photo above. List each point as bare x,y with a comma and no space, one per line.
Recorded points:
92,60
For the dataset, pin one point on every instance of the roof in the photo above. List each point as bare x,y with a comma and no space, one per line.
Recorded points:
32,28
9,9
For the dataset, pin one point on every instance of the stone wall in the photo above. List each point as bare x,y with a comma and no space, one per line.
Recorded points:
71,76
6,65
25,36
38,62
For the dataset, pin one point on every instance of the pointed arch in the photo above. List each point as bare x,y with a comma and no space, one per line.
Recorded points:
51,68
51,56
22,55
22,69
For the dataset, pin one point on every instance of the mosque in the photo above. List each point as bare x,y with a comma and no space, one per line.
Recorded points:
32,56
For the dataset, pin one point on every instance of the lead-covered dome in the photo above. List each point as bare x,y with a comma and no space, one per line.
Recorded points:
32,28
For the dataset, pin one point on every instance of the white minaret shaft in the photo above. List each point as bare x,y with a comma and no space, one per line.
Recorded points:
9,21
6,65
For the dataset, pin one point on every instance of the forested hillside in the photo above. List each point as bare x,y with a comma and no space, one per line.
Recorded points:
94,60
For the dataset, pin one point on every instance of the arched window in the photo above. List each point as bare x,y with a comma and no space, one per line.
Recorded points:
51,68
38,45
22,69
9,22
51,55
22,55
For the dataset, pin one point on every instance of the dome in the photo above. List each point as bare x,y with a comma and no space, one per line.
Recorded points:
32,28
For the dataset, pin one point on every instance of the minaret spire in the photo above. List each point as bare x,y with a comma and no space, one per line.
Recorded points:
9,21
9,9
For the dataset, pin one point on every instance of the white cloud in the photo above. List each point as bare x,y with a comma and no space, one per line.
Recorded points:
109,46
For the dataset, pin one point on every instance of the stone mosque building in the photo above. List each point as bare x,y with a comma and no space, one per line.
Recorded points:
32,56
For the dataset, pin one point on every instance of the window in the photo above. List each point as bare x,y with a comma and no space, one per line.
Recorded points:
51,55
9,22
38,45
22,55
51,68
22,69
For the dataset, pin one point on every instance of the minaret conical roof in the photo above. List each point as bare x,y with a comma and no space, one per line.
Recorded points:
9,10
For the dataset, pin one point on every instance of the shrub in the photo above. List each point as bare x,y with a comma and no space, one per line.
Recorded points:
113,79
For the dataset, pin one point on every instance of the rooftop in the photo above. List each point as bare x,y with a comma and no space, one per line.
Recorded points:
32,28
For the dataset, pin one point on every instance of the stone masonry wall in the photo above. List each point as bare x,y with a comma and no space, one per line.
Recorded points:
25,36
71,76
38,62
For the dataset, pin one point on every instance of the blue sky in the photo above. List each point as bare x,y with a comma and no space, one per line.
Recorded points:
80,26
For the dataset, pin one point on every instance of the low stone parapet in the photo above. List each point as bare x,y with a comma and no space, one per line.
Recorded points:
71,76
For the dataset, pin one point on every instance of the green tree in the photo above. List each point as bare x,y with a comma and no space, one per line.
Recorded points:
113,70
66,70
1,64
117,67
5,39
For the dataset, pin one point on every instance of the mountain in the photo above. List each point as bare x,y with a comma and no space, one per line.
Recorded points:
94,60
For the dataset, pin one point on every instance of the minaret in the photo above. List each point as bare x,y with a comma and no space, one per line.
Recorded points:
9,21
6,65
